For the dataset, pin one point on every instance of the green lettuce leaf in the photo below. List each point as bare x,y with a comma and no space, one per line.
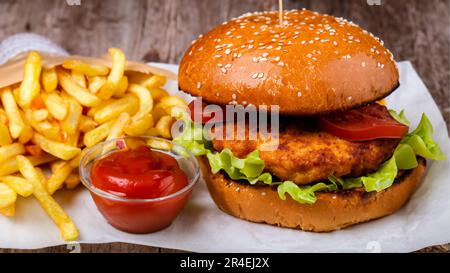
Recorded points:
399,117
303,195
249,168
347,183
193,139
405,157
421,140
381,179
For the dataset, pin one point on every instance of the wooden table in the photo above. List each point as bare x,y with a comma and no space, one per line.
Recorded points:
160,31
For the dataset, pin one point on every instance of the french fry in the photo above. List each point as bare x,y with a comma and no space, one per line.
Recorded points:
42,177
61,172
90,70
57,107
79,78
158,111
27,132
68,230
50,130
122,87
145,99
158,93
128,104
72,139
37,103
168,102
16,94
34,150
19,184
9,211
149,81
78,92
55,165
11,150
116,74
142,120
10,166
49,79
159,144
117,129
164,125
139,125
95,83
151,132
3,116
57,178
86,124
30,86
40,115
98,134
57,149
72,181
93,110
74,113
16,124
7,196
5,137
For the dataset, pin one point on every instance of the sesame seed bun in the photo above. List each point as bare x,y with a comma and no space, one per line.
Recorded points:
332,210
311,64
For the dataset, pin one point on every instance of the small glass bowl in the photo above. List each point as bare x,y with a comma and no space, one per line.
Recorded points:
140,215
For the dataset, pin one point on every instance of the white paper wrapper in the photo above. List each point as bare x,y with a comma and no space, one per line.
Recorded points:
202,227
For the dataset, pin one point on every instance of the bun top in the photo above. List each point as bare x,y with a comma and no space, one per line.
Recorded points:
311,64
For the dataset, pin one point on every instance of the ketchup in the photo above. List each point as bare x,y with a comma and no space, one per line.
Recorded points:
139,173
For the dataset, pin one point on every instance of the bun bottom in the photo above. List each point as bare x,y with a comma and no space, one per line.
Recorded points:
332,210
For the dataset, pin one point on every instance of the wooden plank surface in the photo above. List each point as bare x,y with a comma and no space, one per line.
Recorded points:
160,30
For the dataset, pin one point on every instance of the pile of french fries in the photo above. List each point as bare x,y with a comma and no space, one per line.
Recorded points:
48,119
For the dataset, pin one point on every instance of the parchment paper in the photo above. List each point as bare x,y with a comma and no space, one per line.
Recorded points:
201,227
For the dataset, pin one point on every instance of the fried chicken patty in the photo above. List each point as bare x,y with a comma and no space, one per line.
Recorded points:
306,154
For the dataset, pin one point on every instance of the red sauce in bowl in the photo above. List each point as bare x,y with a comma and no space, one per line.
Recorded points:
139,175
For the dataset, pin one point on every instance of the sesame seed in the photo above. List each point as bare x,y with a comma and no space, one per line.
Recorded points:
265,54
363,64
227,66
233,96
217,56
260,75
227,51
299,94
277,58
199,85
254,75
255,60
224,71
219,65
263,193
263,59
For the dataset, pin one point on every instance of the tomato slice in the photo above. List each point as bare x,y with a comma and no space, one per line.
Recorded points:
366,123
200,114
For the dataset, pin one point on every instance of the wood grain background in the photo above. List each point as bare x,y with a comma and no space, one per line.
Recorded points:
160,30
